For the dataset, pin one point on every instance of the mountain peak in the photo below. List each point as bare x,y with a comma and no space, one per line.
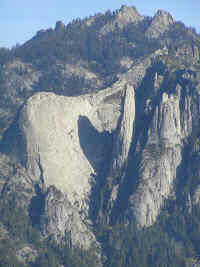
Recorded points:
60,25
160,23
128,14
164,15
123,16
129,9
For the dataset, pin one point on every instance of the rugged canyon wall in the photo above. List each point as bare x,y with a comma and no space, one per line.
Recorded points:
161,163
92,141
68,140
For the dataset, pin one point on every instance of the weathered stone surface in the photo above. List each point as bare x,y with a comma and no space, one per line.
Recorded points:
54,149
64,221
123,137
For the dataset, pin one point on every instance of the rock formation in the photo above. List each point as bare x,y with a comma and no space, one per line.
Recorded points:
124,16
99,133
59,26
67,140
160,160
161,22
123,138
62,219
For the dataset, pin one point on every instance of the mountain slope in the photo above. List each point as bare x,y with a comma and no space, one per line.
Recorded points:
99,162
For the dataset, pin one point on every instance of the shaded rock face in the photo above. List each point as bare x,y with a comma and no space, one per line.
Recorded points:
60,25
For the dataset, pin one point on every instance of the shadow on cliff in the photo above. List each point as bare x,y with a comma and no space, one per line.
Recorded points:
95,145
37,206
97,148
129,177
127,186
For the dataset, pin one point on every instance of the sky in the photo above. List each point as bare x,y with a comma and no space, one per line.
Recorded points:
21,19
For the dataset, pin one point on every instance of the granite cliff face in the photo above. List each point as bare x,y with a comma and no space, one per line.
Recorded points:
68,150
123,136
91,141
159,161
59,141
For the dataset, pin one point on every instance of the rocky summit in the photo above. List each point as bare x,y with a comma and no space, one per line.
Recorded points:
100,144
